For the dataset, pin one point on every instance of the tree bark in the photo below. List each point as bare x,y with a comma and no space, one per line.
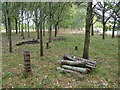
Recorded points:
25,27
25,22
22,27
82,70
50,25
41,41
9,30
19,26
103,30
69,71
73,58
9,34
56,26
44,27
92,33
89,66
92,29
68,62
103,12
113,35
87,31
50,34
28,30
22,33
6,23
36,24
16,25
38,32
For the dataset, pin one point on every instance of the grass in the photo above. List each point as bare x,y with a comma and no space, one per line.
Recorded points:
44,73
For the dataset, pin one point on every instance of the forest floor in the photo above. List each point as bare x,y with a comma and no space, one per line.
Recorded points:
104,52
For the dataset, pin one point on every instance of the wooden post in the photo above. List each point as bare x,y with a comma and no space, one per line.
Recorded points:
76,48
47,45
27,67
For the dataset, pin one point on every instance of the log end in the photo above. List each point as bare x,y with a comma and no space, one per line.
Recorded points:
87,70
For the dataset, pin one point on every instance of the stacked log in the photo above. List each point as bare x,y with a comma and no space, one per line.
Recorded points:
89,63
27,67
69,71
72,64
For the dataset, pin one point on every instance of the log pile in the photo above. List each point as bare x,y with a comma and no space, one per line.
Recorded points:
75,65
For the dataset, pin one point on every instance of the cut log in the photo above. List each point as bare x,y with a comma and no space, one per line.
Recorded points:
77,58
68,62
83,70
69,71
89,66
88,61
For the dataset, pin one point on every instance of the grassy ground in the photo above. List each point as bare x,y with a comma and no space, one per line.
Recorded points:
105,52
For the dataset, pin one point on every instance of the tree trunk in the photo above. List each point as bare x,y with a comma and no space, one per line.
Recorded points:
36,24
25,27
103,12
28,30
92,30
56,26
16,25
22,28
19,26
103,30
9,30
6,23
87,31
37,32
44,27
25,23
69,71
82,70
22,33
41,41
9,34
50,25
113,35
50,34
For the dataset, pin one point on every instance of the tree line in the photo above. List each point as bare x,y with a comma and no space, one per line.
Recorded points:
58,14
